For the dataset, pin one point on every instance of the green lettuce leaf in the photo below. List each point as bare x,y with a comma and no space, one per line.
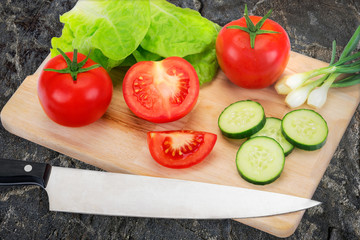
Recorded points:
182,32
112,30
64,42
176,31
205,64
129,61
141,54
123,32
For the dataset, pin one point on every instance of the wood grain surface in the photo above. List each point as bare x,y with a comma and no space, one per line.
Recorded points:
117,141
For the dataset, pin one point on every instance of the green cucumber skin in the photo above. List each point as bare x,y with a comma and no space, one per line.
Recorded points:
247,133
285,152
255,181
304,146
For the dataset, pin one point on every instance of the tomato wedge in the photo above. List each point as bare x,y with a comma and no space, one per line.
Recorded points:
180,149
161,91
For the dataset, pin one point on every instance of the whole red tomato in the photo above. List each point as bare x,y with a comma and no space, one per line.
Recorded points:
74,94
256,66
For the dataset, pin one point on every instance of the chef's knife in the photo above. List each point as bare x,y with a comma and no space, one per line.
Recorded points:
95,192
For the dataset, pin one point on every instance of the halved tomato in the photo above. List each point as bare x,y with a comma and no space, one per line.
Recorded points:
180,149
162,91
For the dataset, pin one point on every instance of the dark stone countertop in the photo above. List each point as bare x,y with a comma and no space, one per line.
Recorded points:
26,28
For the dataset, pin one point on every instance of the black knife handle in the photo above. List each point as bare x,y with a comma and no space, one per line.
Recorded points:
16,172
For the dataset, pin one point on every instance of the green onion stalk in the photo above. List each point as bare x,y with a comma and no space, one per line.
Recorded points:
313,86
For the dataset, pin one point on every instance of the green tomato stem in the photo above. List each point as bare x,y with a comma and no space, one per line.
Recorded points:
251,29
73,67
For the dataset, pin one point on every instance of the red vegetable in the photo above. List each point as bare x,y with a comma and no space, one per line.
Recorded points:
253,51
74,94
180,149
161,91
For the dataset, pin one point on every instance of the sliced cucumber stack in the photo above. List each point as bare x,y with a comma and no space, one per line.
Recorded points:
305,129
260,160
272,129
241,119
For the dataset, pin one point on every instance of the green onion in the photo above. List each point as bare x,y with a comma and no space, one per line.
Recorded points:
301,86
299,79
281,87
346,82
318,96
298,96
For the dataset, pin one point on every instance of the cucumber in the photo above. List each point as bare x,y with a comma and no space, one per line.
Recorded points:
260,160
305,129
241,119
272,129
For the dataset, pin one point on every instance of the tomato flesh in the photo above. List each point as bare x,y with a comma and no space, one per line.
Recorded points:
162,91
257,67
180,149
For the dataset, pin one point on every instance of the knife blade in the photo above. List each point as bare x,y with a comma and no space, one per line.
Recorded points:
105,193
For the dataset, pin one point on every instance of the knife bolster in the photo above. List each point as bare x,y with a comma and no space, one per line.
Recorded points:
16,172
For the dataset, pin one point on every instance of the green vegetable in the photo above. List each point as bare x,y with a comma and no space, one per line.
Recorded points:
251,29
305,129
260,160
242,119
111,29
205,64
73,67
176,31
302,86
121,33
272,129
141,54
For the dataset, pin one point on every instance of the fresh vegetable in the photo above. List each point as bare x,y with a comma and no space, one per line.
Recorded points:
272,129
242,119
260,160
305,129
253,51
125,32
180,149
162,91
74,93
302,87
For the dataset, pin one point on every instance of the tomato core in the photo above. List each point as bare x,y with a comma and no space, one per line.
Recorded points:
181,149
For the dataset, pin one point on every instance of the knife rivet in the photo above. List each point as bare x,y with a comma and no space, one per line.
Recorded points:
28,168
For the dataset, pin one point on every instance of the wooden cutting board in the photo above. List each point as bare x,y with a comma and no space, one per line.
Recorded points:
117,142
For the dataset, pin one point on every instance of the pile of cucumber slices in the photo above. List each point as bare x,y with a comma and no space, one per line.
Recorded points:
261,158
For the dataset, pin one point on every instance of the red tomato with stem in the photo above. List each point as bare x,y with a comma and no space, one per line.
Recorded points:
161,91
180,149
74,94
253,51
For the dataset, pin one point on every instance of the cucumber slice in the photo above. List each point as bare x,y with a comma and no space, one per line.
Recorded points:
241,119
305,129
260,160
272,129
